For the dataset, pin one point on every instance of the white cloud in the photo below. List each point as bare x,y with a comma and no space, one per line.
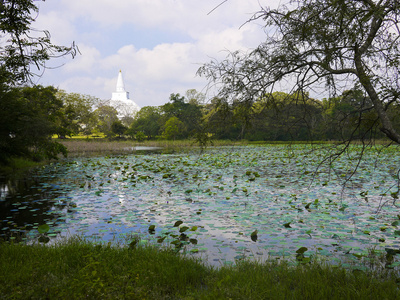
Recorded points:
151,72
86,61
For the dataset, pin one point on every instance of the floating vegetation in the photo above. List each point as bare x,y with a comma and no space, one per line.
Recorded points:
225,204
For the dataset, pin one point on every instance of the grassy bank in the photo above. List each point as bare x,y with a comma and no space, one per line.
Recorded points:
77,270
19,166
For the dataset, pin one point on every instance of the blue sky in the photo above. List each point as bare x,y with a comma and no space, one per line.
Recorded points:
158,44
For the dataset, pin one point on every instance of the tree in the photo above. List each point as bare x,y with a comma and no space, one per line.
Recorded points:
106,116
309,43
349,116
195,97
30,116
173,128
188,113
118,128
147,121
25,125
23,47
78,110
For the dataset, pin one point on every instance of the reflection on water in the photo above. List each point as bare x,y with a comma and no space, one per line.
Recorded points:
143,148
26,203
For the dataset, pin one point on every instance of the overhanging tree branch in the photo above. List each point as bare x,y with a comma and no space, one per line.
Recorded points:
315,42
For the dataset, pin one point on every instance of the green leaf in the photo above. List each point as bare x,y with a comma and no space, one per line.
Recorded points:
183,229
160,240
287,225
44,239
43,228
133,244
152,227
254,235
194,228
301,250
177,223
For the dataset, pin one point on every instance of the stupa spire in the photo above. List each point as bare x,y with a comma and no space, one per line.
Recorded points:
120,83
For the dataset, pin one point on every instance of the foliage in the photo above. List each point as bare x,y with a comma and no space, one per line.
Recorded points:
188,113
118,128
78,111
23,46
147,121
173,128
106,116
30,115
28,119
309,43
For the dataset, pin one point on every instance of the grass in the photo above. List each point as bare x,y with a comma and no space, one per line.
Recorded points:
77,269
19,165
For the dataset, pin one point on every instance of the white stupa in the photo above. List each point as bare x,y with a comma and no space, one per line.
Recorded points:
121,102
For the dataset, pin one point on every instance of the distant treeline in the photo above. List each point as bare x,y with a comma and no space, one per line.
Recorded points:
31,116
277,117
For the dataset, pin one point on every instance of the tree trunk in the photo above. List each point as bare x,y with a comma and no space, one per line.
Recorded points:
387,127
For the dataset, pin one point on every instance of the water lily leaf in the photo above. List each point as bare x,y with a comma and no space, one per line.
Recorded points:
152,227
183,229
43,228
287,225
160,240
254,235
301,250
133,244
193,241
390,251
177,223
177,243
44,239
194,228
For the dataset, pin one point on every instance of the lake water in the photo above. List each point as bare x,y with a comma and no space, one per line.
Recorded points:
231,202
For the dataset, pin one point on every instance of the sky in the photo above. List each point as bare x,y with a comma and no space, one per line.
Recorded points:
157,44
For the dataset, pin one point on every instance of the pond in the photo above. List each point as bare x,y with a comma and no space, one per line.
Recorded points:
223,204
